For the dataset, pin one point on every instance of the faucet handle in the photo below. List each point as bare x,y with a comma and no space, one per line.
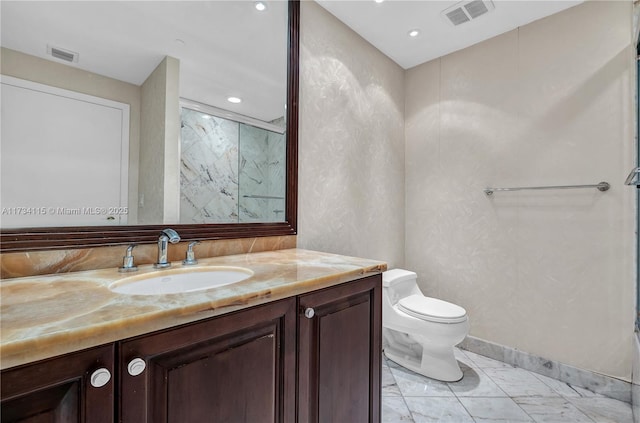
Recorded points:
127,261
191,256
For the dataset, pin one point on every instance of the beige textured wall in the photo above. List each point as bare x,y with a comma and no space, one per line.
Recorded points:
159,182
351,155
31,68
172,143
547,272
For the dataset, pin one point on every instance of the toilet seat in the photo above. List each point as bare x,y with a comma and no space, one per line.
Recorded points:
432,309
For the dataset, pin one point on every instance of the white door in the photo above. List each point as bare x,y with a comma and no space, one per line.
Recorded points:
64,157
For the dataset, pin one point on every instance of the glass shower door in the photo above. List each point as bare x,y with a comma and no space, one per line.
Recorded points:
261,175
634,179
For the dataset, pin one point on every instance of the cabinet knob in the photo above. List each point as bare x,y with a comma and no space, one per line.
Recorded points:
309,312
136,366
100,377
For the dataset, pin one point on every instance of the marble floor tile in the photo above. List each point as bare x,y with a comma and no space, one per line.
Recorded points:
463,358
389,386
586,392
551,410
416,385
519,383
609,387
604,410
394,410
490,394
392,364
503,410
437,410
562,388
486,362
476,383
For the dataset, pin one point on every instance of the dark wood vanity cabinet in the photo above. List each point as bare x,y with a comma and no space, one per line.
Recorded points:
236,368
339,353
311,358
60,389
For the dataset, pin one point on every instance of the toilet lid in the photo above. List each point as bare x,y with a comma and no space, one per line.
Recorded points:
432,309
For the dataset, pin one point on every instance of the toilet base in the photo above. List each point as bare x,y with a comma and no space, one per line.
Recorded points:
439,364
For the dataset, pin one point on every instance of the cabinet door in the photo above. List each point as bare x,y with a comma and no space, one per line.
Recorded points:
60,389
340,352
235,368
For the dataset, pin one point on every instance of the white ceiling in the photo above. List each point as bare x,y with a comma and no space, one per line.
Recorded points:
228,48
386,24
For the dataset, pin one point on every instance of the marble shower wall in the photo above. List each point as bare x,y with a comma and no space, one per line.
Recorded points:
208,169
262,174
223,164
550,273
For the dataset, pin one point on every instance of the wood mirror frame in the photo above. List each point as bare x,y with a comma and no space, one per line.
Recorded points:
51,238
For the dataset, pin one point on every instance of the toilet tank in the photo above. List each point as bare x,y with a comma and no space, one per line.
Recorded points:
399,283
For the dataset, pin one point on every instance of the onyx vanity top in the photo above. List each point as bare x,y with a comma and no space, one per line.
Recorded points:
49,315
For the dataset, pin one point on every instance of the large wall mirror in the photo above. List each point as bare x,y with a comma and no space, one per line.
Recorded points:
122,118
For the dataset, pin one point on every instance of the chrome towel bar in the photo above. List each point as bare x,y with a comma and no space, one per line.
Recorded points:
602,186
264,197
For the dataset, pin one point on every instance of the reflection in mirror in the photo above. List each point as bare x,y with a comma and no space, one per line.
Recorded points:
50,141
93,132
231,171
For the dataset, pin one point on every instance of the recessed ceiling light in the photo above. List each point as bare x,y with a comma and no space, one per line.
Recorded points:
234,100
414,33
378,1
261,6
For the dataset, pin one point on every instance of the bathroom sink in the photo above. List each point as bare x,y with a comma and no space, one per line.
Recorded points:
176,281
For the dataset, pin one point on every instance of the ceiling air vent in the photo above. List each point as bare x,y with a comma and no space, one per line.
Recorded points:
62,54
457,16
465,11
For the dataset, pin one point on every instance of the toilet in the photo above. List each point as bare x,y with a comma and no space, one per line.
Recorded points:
419,332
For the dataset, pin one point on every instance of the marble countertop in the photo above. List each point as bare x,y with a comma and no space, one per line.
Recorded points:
50,315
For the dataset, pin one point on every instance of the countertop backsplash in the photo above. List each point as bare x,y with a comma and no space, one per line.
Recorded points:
33,263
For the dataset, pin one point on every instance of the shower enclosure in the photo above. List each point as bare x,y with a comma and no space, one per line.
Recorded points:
232,168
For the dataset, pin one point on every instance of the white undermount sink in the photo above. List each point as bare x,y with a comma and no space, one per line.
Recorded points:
180,280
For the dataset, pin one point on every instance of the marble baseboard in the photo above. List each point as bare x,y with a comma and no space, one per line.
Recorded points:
597,383
34,263
635,380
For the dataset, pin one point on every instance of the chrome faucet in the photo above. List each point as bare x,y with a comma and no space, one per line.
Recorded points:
191,256
127,261
166,236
